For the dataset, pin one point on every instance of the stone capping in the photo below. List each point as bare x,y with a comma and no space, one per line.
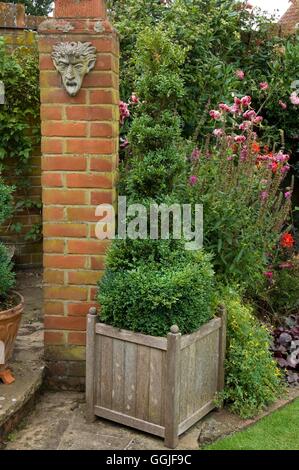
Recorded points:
12,16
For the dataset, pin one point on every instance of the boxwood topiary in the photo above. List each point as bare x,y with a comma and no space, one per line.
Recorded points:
152,297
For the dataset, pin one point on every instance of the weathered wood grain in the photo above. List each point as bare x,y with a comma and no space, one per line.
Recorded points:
129,336
118,387
173,390
130,378
158,385
143,382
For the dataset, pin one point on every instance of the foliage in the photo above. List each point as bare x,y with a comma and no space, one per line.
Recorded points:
6,201
161,283
238,182
286,348
35,7
253,380
6,268
6,273
175,291
19,120
219,37
281,295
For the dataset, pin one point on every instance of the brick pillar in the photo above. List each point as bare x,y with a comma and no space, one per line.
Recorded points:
80,145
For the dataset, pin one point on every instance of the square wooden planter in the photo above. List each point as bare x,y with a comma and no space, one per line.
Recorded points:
162,386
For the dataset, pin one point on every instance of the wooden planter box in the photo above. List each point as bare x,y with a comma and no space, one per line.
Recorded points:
162,386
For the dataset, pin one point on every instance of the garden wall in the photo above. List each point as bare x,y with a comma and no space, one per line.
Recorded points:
80,136
19,29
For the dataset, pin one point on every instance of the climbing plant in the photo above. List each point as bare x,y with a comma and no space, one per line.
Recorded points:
19,124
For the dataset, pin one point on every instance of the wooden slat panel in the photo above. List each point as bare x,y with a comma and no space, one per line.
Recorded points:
98,366
118,384
205,330
184,382
130,378
155,394
151,341
206,369
143,382
192,395
129,421
196,417
106,372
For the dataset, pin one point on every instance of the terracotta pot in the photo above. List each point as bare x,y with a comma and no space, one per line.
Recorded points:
9,326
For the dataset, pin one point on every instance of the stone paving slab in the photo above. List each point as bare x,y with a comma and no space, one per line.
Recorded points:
27,364
58,423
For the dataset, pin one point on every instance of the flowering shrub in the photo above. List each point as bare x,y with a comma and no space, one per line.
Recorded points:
238,182
281,296
253,380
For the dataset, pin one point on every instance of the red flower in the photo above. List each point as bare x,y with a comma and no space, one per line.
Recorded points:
287,241
256,147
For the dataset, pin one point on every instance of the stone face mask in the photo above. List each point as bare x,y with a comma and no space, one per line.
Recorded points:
73,60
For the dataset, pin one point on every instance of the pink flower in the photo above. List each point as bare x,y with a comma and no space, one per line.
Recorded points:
281,157
264,195
237,101
124,111
288,194
245,125
286,265
215,114
245,101
258,120
294,98
224,107
282,104
134,99
195,154
193,180
249,114
234,109
244,153
230,158
285,169
248,6
264,86
269,275
240,74
240,139
218,132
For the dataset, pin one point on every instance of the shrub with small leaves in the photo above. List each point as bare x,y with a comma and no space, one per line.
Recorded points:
7,278
150,298
252,378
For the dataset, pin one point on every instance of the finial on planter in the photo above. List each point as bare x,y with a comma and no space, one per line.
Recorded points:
174,329
93,311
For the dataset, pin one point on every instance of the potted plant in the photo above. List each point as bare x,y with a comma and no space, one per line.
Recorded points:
155,354
11,302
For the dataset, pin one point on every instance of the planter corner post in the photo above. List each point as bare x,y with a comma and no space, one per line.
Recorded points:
90,363
172,389
222,313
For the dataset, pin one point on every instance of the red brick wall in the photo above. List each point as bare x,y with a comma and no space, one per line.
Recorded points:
80,147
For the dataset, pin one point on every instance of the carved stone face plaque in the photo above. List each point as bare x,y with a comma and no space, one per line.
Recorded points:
73,60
